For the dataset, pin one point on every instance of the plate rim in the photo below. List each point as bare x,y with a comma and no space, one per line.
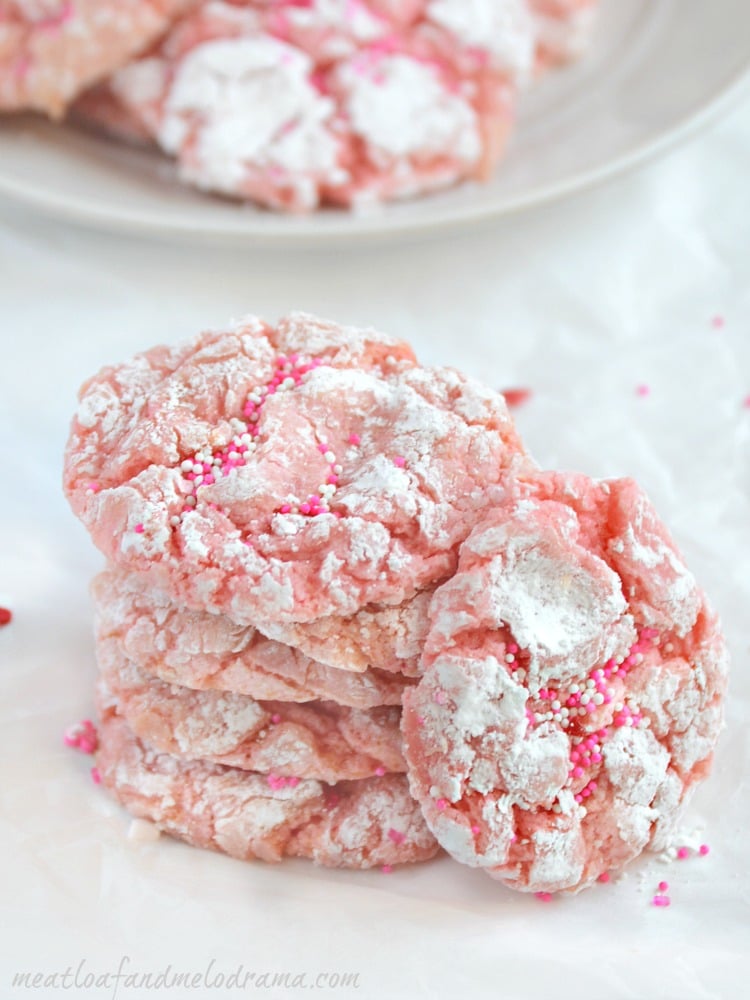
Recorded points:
372,229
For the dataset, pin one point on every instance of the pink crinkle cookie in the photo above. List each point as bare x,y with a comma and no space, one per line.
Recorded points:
573,686
199,650
51,50
331,102
318,740
352,824
286,474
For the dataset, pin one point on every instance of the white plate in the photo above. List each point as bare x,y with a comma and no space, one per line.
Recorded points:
657,70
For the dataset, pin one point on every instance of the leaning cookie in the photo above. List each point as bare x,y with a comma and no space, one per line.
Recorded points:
51,50
319,740
573,686
210,652
286,474
358,824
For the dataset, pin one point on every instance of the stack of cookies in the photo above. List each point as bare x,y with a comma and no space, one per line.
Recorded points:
306,530
276,505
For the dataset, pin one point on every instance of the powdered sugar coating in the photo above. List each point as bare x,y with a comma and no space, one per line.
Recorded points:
572,692
243,540
51,50
199,650
319,740
358,824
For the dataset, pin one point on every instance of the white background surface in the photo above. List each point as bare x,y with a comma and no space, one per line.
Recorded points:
582,302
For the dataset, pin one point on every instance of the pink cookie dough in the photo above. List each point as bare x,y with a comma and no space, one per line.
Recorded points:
286,474
199,650
344,102
352,824
51,50
319,740
573,685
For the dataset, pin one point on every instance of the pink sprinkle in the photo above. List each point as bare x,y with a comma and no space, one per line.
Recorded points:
275,718
292,782
94,487
96,776
441,803
387,869
683,852
604,877
380,771
661,900
400,461
516,397
138,529
396,836
642,390
441,697
703,850
354,439
82,736
475,830
663,886
544,897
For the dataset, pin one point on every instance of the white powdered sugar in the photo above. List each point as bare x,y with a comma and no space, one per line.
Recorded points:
141,82
558,857
555,609
250,103
401,109
503,28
